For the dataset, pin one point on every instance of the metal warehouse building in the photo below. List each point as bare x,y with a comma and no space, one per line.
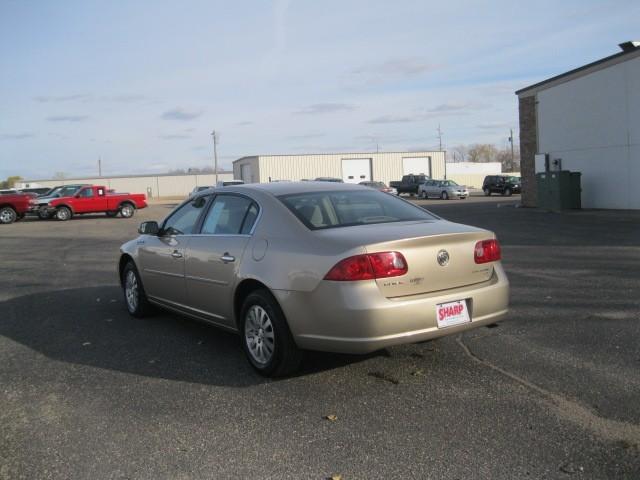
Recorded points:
586,120
351,167
154,186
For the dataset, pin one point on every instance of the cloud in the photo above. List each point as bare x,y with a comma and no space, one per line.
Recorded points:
396,119
456,107
320,108
181,114
307,136
132,98
67,118
81,97
494,126
16,136
174,136
402,66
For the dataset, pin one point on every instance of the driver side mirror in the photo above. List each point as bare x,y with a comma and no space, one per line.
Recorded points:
149,228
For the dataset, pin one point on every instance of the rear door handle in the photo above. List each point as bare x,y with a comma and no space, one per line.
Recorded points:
176,254
226,258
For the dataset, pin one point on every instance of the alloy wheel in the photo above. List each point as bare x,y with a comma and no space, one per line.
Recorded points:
259,334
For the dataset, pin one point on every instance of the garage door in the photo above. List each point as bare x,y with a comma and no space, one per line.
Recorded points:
245,173
416,165
356,170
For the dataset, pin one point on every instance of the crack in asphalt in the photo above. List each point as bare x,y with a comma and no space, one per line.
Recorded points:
604,428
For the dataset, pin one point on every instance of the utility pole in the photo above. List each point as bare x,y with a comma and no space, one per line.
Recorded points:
440,136
99,166
215,154
513,160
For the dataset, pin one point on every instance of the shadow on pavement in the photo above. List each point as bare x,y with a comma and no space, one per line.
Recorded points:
90,326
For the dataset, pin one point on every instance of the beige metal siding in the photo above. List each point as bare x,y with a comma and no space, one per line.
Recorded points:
161,186
385,166
254,167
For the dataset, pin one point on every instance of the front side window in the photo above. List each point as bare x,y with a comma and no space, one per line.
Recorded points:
230,215
184,220
322,210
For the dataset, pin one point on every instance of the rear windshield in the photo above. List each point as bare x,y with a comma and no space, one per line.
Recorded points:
320,210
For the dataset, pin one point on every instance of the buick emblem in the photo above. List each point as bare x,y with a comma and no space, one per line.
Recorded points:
443,258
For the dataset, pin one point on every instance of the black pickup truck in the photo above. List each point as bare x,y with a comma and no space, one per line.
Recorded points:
409,184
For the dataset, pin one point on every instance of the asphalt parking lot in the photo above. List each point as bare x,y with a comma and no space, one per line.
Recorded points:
552,392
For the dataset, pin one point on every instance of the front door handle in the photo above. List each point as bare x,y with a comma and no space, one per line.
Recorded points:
226,258
176,254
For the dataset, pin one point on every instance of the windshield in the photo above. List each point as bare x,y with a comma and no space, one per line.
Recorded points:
450,183
67,191
513,179
321,210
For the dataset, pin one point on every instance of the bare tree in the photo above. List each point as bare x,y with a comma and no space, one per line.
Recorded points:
482,153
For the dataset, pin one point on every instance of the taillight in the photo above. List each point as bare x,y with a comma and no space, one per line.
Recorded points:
368,266
487,251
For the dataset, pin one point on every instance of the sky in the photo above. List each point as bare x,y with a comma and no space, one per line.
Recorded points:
142,84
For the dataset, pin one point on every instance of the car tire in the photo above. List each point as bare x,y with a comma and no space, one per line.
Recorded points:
508,192
43,214
7,215
423,195
63,214
135,298
127,210
266,339
444,196
486,191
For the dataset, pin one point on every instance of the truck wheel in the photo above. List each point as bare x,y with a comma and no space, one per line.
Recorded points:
508,192
486,191
43,214
7,215
63,214
444,196
127,210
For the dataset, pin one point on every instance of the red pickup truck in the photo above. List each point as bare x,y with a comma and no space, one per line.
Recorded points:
96,199
14,206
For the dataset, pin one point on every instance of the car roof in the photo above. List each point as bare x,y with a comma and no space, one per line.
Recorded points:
289,188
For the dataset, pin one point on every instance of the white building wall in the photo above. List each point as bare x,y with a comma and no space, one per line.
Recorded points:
592,123
249,165
385,166
158,186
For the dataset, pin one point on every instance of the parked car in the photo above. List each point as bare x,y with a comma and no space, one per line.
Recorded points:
41,207
502,184
96,199
293,266
409,184
14,206
226,183
380,186
37,190
199,189
328,179
444,189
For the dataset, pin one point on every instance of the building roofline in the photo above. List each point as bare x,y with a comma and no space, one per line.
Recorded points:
111,177
582,71
335,153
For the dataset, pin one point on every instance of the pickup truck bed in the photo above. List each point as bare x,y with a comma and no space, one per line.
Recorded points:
14,206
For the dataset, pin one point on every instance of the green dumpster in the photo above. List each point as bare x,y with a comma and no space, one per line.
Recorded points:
559,190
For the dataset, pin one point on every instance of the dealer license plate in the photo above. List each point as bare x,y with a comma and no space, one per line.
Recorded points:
452,313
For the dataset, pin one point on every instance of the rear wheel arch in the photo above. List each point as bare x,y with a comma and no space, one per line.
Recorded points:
242,291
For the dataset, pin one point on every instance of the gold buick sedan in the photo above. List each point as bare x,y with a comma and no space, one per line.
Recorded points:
318,266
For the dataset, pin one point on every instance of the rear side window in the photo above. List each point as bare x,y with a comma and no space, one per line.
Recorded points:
320,210
230,215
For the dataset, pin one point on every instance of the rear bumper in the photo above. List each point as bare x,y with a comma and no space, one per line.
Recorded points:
357,318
